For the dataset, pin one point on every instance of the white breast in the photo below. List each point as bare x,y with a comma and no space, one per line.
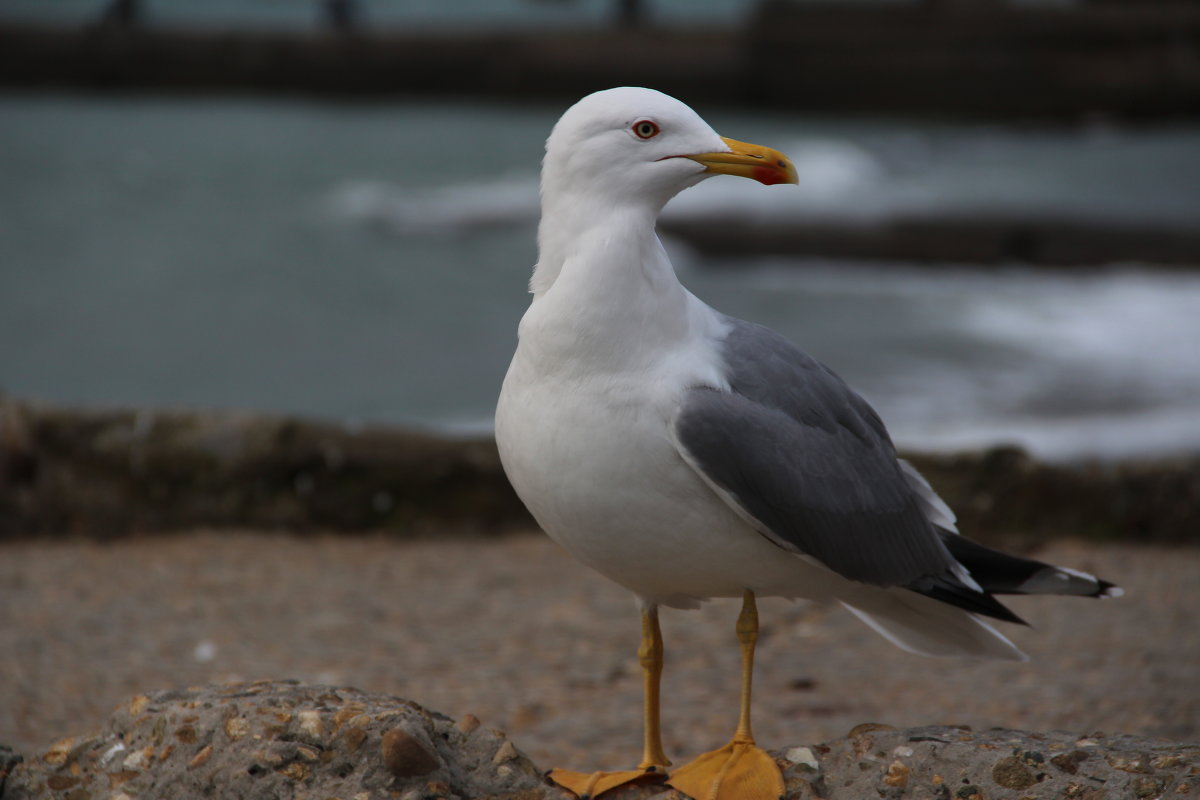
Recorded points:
590,453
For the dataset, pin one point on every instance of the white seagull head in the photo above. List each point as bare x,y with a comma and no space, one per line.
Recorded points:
639,146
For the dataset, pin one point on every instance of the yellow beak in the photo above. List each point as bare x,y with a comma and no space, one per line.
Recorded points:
746,160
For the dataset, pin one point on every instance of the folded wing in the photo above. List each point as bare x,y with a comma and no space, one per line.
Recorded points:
808,463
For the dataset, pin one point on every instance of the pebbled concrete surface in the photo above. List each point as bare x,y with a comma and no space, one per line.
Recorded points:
275,740
514,632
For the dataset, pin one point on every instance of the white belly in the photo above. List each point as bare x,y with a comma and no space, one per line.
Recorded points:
603,478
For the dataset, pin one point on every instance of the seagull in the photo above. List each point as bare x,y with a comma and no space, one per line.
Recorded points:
688,455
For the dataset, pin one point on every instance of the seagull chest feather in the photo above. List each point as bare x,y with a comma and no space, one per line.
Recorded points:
602,359
584,420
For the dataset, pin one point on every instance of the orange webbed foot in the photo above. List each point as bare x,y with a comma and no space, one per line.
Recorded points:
588,785
738,771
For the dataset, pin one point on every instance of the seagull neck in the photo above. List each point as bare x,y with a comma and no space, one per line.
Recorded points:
578,234
604,287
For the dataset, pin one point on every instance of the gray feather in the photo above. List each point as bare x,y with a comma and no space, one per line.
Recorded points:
810,462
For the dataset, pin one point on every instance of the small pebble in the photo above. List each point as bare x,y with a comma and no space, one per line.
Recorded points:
124,776
112,753
507,752
236,728
803,756
1146,786
1134,763
1012,774
139,759
58,752
404,756
311,724
1069,762
201,758
61,782
897,775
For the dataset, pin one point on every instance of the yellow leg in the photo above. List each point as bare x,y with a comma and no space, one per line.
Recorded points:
740,770
747,634
650,656
653,766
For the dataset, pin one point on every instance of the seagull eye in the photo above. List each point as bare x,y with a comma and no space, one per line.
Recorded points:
645,129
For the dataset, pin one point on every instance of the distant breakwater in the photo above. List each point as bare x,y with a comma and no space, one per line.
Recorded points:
988,60
1038,239
106,473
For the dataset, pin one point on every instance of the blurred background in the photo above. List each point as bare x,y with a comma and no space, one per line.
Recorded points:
328,209
262,264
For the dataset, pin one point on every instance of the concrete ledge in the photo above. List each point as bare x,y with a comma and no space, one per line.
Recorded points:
282,739
104,473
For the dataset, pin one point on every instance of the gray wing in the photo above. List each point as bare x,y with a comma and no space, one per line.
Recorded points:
810,462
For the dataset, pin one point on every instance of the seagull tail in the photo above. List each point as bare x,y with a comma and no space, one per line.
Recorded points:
929,627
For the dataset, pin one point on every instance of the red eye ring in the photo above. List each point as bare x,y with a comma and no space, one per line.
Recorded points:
645,129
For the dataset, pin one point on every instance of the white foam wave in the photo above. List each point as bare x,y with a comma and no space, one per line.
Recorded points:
840,180
1142,435
503,202
1067,365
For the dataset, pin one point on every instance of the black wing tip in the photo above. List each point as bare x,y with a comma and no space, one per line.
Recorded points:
998,572
948,589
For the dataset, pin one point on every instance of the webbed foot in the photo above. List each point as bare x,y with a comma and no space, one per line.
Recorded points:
588,785
738,771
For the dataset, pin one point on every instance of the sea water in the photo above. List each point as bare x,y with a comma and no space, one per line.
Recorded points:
368,262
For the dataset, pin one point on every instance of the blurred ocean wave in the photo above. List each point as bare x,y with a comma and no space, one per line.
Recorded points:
505,201
1099,176
1064,363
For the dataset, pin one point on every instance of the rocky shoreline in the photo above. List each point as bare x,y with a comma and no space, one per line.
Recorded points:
107,473
283,739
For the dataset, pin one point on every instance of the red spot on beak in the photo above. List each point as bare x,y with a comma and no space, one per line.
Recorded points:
769,176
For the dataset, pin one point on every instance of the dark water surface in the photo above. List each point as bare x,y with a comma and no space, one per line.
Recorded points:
368,263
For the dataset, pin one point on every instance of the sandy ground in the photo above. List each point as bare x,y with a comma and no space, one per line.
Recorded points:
513,631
